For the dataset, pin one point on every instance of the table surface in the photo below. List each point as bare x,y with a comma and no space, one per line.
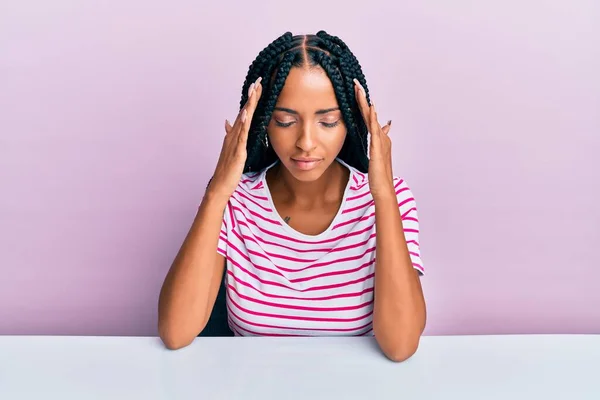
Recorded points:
445,367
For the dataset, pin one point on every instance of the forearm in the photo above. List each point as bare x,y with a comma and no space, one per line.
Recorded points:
185,295
399,309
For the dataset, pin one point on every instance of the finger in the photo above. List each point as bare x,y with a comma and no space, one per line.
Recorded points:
374,127
244,127
228,127
254,93
386,128
361,99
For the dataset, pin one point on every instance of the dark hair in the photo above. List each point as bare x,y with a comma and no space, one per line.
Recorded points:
273,64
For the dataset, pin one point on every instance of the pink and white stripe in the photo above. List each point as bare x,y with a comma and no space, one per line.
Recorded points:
281,282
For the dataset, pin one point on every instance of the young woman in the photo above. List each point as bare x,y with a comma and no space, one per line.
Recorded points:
303,223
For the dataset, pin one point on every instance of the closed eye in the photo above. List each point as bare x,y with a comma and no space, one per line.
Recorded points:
331,124
283,124
325,124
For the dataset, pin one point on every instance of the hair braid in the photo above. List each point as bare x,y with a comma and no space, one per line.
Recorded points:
266,56
348,66
354,65
345,65
350,69
343,93
261,124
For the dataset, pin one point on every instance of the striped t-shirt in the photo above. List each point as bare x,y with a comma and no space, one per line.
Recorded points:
282,282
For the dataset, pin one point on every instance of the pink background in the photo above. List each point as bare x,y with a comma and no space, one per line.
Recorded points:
111,118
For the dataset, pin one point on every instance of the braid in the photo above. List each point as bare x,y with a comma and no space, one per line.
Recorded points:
354,65
260,128
350,69
343,92
263,66
266,56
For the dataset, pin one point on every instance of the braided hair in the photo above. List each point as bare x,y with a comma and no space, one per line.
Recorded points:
273,64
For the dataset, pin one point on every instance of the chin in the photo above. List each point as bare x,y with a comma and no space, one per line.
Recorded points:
307,176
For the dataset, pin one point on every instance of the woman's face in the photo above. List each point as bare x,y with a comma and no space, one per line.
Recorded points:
306,129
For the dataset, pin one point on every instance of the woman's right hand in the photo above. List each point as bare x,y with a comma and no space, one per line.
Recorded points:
232,159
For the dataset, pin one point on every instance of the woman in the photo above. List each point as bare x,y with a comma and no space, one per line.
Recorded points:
289,217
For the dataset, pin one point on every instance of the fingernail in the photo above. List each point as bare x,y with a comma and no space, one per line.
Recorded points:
362,89
259,80
244,114
250,89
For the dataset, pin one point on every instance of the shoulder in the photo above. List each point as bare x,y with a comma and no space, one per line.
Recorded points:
250,194
359,185
255,180
251,181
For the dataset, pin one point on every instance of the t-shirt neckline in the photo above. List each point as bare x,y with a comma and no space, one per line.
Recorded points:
289,229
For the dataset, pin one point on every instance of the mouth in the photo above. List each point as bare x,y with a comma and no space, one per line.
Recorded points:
306,164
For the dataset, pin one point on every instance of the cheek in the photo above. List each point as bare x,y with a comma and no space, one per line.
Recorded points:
279,138
335,138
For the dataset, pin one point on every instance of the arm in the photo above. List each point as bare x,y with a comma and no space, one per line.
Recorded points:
399,311
399,307
190,288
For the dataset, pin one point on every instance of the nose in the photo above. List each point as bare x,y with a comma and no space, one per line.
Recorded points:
306,140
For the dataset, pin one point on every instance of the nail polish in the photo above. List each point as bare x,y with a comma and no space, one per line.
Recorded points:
362,89
250,90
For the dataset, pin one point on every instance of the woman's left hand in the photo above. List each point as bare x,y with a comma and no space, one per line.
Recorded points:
380,153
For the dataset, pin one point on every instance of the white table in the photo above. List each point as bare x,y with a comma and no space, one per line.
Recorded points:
532,367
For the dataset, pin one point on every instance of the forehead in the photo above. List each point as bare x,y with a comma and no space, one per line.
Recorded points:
307,89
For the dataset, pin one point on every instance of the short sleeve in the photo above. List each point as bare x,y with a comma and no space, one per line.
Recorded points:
410,221
223,234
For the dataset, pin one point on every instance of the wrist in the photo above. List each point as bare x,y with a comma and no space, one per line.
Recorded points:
387,194
213,198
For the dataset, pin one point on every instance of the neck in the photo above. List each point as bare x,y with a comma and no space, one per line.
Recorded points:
328,187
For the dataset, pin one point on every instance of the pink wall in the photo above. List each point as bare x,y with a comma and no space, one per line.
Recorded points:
111,119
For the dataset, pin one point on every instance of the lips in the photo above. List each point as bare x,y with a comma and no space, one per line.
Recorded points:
306,164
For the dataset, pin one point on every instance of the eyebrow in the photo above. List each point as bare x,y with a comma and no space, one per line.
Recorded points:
290,111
